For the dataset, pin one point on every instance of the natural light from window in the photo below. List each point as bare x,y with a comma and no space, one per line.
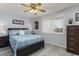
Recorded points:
53,26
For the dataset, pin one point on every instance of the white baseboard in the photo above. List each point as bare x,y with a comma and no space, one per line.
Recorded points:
56,44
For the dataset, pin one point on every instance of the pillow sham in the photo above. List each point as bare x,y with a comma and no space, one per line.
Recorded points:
14,32
27,32
21,32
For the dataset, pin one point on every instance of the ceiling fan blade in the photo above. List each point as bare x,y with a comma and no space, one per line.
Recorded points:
39,4
42,10
25,5
26,10
33,5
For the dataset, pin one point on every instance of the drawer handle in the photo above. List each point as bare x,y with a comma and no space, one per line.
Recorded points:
71,48
71,43
71,33
1,39
72,38
71,28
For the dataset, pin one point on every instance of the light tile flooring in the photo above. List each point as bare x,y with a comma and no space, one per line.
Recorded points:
49,50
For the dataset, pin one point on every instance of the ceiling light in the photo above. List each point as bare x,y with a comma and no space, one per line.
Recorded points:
33,8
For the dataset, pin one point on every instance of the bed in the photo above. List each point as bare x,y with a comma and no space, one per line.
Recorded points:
24,44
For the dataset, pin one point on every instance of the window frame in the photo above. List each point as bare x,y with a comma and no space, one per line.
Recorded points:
62,18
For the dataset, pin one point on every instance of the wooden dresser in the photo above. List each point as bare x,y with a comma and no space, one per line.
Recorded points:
73,39
4,41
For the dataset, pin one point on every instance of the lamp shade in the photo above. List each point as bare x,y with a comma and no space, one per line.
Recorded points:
2,30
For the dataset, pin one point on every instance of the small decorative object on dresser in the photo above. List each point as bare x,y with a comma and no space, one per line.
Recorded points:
4,41
73,39
70,21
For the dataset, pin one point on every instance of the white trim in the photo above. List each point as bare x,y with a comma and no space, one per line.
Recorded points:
56,44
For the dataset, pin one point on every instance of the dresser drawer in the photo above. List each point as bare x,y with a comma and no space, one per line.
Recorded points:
73,35
72,28
4,41
74,39
73,44
72,31
74,49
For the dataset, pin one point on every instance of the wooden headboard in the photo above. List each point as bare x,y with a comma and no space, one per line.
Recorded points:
17,28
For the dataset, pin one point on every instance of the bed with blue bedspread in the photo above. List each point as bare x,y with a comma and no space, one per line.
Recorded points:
24,44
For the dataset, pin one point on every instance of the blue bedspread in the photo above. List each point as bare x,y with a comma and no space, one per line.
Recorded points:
20,41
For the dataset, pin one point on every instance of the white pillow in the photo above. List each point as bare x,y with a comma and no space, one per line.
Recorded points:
21,32
13,32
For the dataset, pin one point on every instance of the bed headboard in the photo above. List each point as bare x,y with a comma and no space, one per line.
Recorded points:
17,29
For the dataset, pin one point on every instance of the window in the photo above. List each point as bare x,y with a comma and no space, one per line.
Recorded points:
53,26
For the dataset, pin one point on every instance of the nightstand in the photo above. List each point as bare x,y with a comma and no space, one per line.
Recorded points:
4,41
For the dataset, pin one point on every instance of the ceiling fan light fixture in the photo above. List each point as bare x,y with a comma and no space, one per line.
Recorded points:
34,11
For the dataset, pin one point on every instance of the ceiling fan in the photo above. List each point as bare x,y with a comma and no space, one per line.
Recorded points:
33,8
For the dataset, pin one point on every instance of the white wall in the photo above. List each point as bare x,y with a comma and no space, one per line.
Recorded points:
58,39
6,21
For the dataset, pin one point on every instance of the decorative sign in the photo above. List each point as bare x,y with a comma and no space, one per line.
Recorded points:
14,21
36,25
77,16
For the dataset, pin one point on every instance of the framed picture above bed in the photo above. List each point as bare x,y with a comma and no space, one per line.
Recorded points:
20,22
77,16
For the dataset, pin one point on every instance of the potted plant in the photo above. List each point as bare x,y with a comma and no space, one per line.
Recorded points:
70,21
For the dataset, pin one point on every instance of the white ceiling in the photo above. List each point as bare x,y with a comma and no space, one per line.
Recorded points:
16,8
